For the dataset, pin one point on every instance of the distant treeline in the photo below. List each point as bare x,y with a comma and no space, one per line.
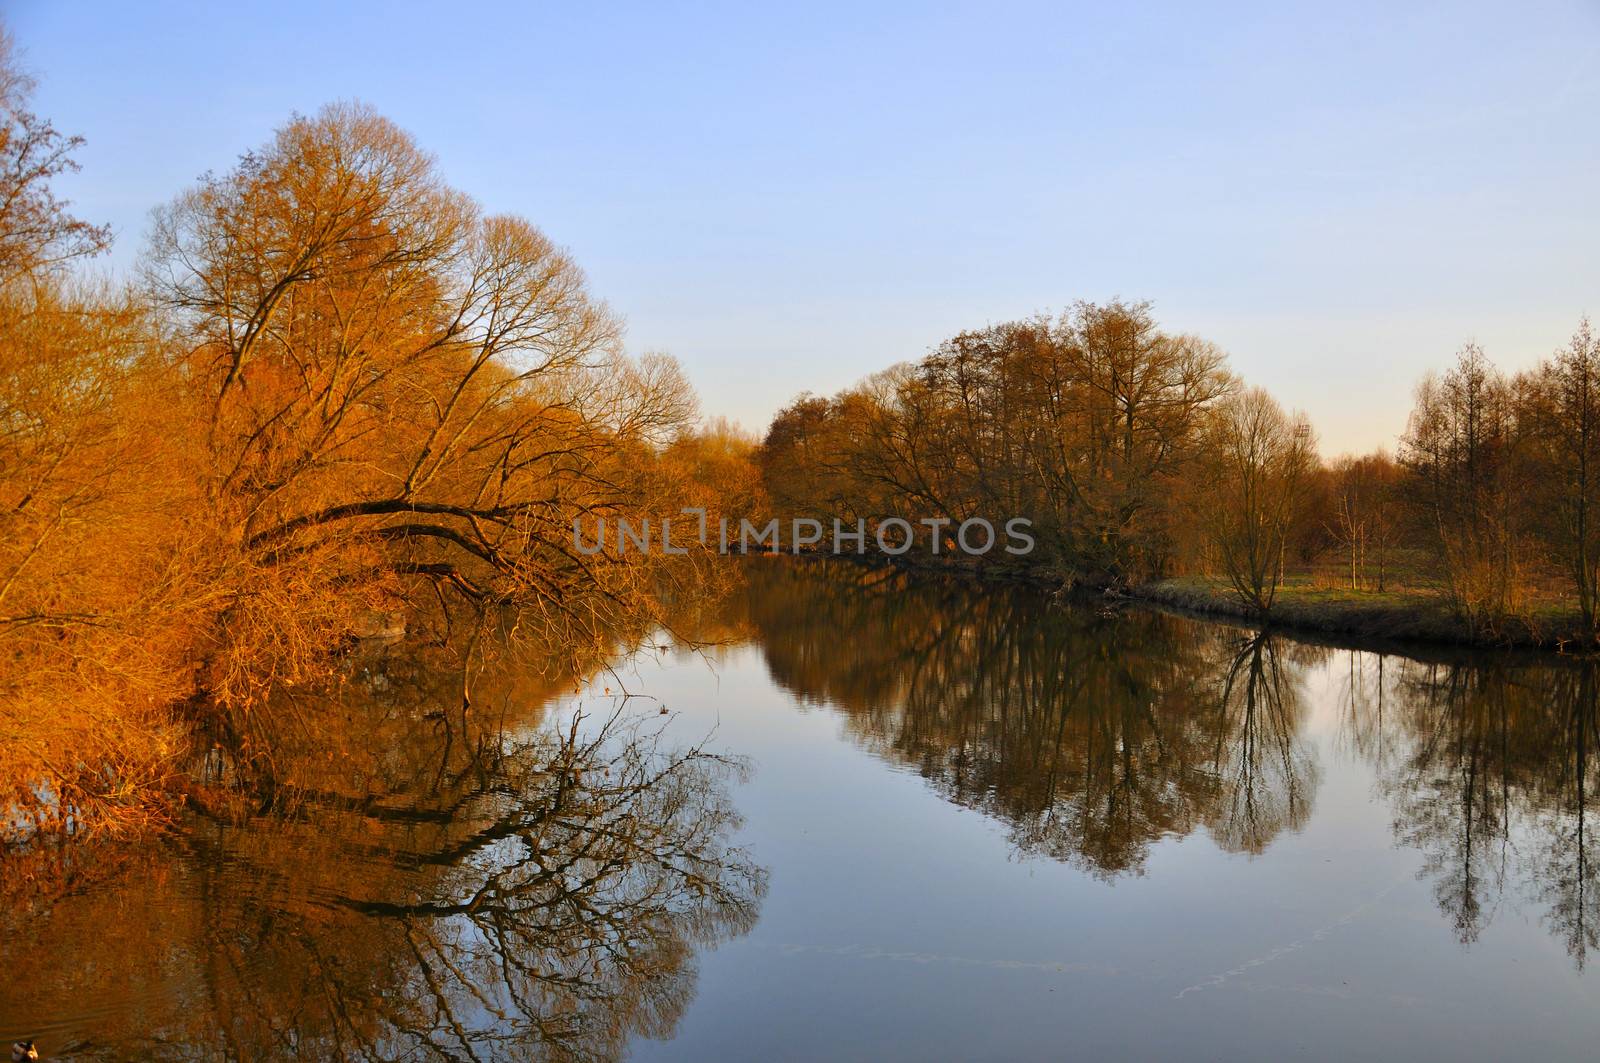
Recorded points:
1139,456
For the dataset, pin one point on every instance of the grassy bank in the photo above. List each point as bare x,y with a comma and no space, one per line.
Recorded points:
1414,611
1402,615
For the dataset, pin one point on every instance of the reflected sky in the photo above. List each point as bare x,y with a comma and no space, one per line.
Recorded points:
1339,855
880,817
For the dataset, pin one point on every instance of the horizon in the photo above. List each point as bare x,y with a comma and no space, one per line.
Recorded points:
788,204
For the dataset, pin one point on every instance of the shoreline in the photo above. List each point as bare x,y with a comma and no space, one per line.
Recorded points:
1400,618
1410,618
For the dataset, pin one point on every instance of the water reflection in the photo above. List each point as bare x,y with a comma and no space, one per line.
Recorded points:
1493,786
456,890
1089,736
411,875
1266,775
1092,736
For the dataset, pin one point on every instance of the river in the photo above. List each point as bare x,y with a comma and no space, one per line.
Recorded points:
869,815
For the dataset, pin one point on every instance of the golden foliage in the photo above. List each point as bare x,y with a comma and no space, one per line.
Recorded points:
341,396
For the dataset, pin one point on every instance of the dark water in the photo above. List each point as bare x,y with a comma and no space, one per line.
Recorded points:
887,818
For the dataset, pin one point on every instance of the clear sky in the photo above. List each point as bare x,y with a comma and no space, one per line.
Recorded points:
788,197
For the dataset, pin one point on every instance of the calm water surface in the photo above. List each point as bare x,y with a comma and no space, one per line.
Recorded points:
886,818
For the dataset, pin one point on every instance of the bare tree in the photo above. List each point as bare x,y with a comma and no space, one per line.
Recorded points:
1084,424
1260,460
36,232
1362,519
341,390
1565,418
397,391
1462,451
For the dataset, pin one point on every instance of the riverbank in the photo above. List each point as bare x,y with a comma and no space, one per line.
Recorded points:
1401,616
1407,615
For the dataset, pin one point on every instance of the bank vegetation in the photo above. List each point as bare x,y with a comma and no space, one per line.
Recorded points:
1147,467
338,399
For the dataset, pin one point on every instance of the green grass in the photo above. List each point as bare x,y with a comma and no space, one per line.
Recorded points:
1407,613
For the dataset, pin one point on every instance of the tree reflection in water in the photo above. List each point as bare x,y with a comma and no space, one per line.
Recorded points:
1267,777
408,878
1089,736
462,892
1494,785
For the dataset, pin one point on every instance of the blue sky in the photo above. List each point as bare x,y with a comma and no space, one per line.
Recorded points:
790,197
